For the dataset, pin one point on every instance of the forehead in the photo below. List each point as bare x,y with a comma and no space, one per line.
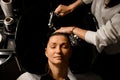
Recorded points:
58,38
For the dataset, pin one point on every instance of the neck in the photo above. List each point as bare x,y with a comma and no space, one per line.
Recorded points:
58,72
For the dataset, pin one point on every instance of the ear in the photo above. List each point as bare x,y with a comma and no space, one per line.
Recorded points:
45,52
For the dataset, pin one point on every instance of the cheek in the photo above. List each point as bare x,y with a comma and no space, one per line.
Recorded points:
49,53
67,54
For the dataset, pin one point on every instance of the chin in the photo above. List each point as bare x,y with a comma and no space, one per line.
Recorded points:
58,62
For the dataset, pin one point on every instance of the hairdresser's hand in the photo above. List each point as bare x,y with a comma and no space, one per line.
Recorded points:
68,30
63,10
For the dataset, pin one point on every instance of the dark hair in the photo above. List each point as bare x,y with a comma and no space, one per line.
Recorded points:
113,3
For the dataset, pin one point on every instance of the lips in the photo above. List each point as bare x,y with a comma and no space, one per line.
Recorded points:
58,57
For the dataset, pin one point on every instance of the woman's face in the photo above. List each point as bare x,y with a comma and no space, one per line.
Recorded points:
58,49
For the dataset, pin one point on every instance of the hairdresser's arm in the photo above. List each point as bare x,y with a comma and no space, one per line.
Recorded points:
73,30
107,34
63,10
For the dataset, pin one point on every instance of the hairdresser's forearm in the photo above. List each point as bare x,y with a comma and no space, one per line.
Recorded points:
80,32
76,4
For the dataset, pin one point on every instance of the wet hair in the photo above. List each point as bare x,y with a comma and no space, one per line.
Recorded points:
57,33
113,3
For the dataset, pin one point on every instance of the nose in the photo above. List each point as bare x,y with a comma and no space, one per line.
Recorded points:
58,50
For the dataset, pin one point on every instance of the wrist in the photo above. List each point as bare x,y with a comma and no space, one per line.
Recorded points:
71,8
72,31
